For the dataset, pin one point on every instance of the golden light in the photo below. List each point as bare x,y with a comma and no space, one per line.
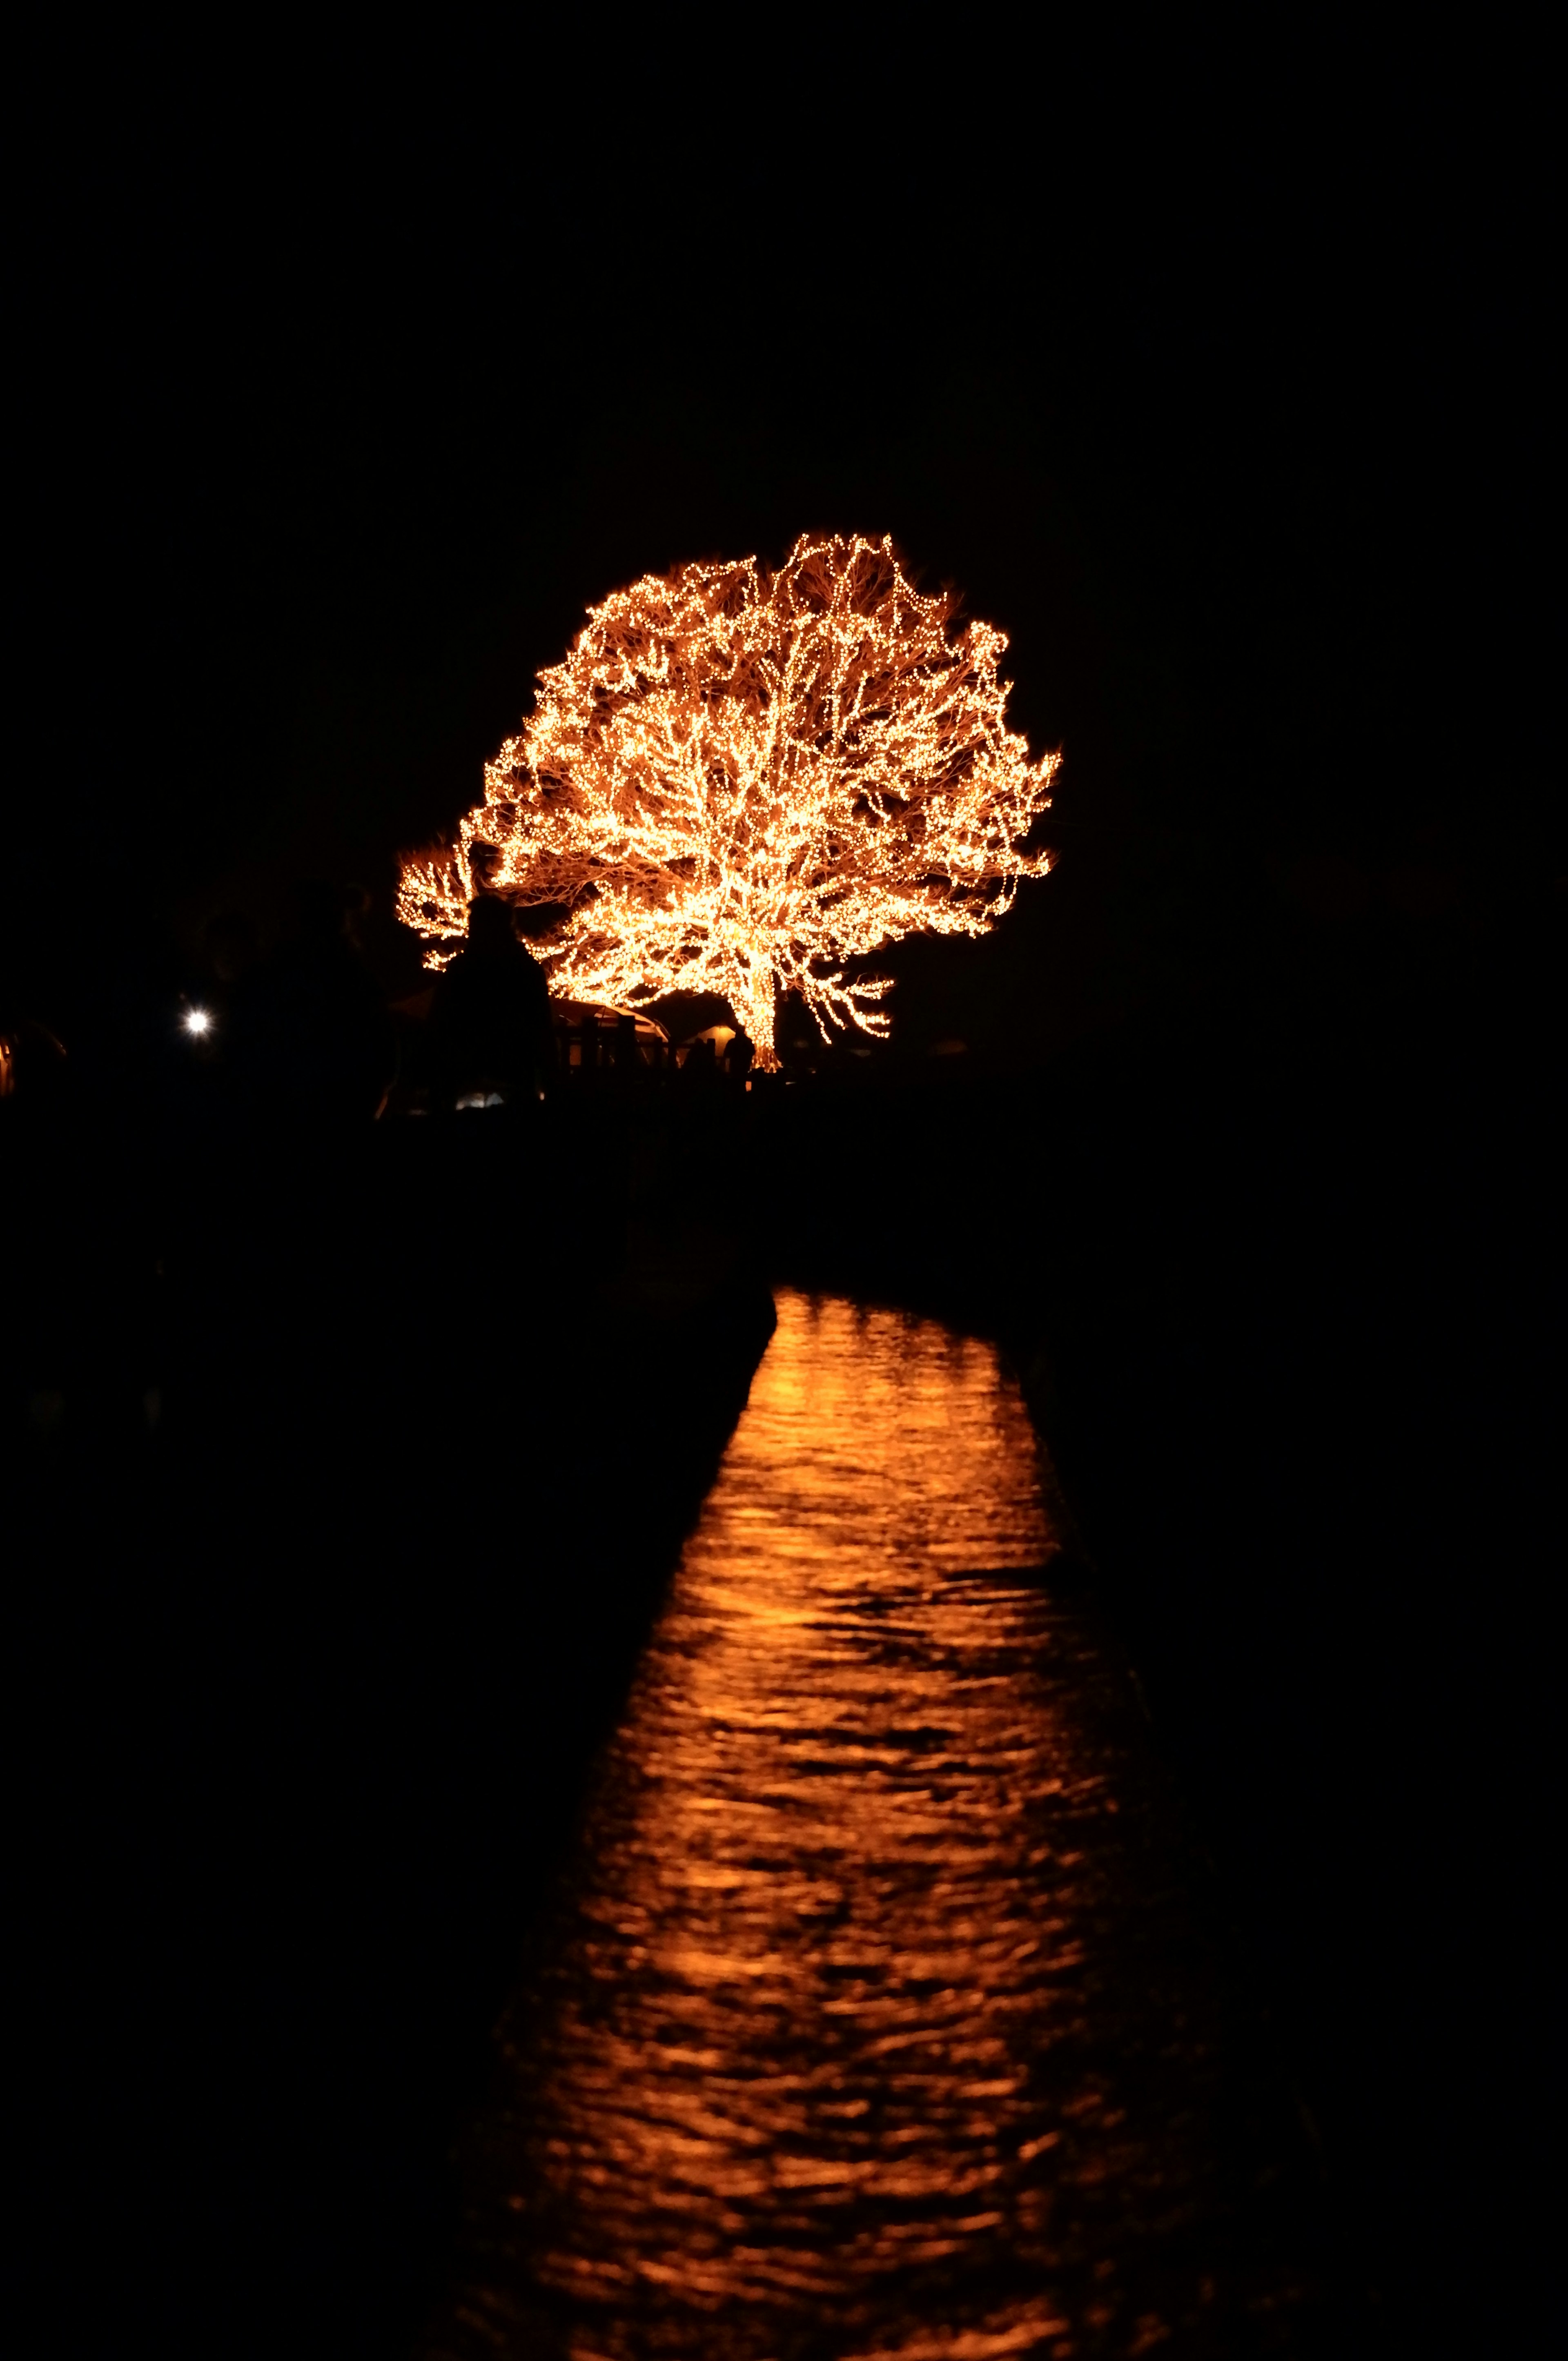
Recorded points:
742,780
199,1021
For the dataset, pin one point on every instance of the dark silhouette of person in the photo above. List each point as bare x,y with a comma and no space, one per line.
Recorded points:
312,1036
700,1064
489,1019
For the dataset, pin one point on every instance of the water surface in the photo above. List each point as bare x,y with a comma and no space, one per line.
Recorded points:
875,2020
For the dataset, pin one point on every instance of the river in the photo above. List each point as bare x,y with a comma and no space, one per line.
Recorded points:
877,2015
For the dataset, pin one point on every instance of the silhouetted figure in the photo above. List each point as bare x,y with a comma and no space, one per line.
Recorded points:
312,1035
489,1019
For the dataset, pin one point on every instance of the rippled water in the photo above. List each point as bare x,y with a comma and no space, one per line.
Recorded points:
873,2021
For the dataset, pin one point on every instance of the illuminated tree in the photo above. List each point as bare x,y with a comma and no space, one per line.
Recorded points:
744,781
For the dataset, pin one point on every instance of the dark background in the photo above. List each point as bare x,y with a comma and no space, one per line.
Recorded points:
1213,367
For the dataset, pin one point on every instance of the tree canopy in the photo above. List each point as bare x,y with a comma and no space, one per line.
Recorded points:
744,780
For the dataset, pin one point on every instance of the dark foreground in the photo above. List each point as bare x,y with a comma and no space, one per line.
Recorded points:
338,1539
310,1665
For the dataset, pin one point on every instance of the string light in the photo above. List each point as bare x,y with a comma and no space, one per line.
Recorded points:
743,781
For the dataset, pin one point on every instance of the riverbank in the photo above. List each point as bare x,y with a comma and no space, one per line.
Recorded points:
313,1668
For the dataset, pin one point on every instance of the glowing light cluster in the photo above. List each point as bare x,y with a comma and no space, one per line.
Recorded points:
745,781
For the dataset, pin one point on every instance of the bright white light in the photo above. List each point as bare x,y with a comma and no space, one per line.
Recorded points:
198,1020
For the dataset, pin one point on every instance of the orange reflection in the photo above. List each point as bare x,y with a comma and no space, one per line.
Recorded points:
874,2025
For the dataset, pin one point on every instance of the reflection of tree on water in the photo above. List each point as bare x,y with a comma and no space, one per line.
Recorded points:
879,2020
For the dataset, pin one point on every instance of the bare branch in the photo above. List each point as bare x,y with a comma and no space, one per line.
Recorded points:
747,778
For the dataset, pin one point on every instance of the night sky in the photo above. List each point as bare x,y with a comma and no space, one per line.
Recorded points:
1213,372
